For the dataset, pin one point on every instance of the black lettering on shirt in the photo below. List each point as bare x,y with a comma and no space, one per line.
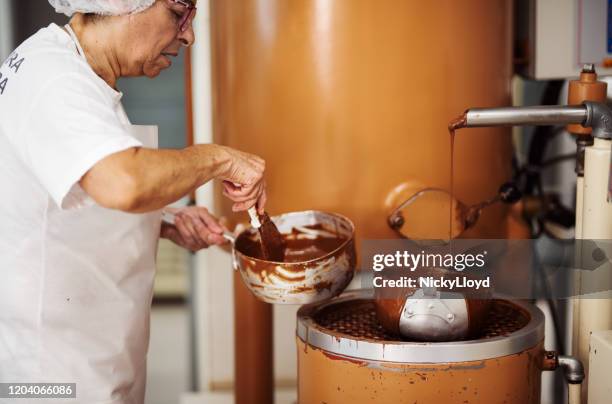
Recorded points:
15,65
14,62
3,82
12,57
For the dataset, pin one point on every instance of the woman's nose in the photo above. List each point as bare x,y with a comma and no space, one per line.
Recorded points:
187,37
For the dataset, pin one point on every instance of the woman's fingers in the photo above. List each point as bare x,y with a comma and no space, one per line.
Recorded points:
204,227
210,221
250,193
244,182
171,232
184,231
255,199
242,206
237,191
195,228
246,198
188,232
208,229
216,239
205,235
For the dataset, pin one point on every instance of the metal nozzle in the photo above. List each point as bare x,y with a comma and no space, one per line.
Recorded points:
540,115
590,114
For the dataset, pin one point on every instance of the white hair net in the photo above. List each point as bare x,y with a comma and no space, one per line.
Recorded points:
101,7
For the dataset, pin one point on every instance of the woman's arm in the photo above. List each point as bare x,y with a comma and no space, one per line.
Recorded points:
141,180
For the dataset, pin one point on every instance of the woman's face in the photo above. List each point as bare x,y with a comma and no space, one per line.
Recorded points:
155,38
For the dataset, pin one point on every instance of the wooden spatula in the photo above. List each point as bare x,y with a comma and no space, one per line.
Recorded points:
272,242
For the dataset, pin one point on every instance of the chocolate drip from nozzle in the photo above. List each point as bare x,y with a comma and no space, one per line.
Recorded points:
458,123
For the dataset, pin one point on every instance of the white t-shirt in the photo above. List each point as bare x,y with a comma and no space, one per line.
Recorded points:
56,115
75,288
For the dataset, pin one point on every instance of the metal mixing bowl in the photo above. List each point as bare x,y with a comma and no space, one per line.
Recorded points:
301,282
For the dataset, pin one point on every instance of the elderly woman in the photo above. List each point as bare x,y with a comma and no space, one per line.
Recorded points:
82,194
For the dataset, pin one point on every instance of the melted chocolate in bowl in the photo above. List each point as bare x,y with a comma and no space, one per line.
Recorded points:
319,259
300,246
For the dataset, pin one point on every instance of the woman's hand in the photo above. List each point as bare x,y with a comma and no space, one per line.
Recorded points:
243,180
194,228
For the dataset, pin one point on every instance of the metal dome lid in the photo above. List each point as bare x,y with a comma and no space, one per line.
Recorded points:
347,326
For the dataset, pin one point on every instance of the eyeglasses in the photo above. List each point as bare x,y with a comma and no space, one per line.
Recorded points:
186,19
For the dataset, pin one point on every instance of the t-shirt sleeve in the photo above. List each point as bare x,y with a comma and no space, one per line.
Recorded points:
72,125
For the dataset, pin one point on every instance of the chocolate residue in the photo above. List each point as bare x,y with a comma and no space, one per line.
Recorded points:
388,312
299,246
478,310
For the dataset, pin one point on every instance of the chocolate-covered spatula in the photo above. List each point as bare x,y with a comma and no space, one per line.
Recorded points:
272,243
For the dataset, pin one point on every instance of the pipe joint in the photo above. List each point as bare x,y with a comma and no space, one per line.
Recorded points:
574,370
599,117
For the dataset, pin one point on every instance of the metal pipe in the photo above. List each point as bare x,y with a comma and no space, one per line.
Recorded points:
538,115
574,375
574,371
595,115
253,347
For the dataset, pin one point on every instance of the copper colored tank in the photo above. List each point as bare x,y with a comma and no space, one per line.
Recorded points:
346,100
345,356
